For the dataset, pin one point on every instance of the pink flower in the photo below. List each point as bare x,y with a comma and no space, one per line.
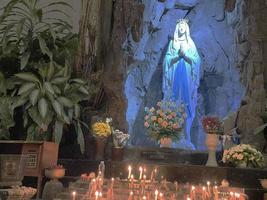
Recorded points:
146,124
146,117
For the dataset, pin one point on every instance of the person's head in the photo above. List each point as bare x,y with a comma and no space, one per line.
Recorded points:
182,29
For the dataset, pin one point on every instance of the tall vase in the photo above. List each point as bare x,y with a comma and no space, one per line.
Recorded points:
166,142
100,147
211,143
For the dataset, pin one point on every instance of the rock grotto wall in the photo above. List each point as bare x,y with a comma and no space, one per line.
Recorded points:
214,33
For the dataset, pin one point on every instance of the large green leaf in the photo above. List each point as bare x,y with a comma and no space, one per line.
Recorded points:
24,59
80,137
58,131
44,48
48,87
77,111
65,102
34,96
27,76
26,87
84,90
42,107
50,71
59,80
57,107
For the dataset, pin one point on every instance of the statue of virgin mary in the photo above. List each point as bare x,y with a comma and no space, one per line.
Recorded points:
181,74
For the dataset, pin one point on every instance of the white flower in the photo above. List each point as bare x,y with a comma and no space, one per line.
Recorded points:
108,120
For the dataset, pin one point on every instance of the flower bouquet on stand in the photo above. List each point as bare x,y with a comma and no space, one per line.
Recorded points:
165,122
213,127
120,140
101,130
243,155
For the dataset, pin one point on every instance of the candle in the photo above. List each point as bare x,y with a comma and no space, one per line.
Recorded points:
156,194
215,191
141,172
112,182
209,192
129,171
73,195
192,192
130,196
144,177
203,193
144,198
161,196
231,196
96,195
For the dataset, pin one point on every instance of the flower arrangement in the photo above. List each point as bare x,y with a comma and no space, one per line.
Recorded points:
212,124
119,138
243,153
165,121
102,129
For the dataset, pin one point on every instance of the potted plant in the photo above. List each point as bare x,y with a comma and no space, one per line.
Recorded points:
165,123
119,142
45,86
213,127
101,130
243,155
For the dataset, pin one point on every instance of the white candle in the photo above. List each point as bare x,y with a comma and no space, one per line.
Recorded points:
112,182
144,177
141,172
156,194
73,195
129,171
96,195
130,196
160,195
192,193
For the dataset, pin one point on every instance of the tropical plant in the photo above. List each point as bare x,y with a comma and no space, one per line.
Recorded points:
51,99
26,26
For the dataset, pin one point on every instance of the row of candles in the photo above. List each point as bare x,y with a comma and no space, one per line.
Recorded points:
206,192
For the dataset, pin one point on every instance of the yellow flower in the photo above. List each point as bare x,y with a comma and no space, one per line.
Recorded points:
101,129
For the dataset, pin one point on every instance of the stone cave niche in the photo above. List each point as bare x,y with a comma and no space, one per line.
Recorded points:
213,29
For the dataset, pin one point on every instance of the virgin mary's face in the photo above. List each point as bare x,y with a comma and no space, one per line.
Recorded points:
181,29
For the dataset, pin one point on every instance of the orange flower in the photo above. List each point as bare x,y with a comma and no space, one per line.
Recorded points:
164,124
175,126
160,120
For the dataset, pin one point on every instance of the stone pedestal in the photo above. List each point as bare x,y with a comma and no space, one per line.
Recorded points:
51,189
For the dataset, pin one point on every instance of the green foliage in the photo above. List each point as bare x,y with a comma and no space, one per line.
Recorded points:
41,50
51,97
27,28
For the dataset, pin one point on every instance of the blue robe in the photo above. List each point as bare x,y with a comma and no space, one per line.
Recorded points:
181,81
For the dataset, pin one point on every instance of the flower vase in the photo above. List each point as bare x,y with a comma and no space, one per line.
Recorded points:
117,153
100,147
165,142
211,143
53,187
